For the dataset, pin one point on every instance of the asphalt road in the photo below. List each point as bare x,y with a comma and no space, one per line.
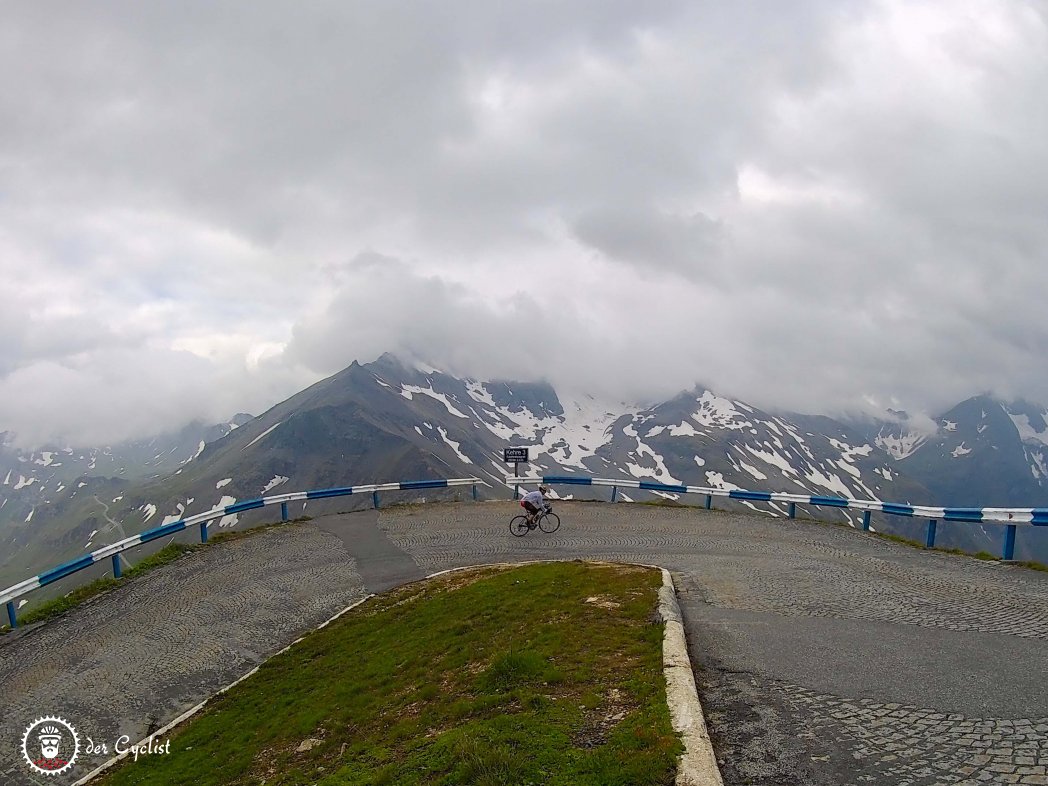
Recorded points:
823,655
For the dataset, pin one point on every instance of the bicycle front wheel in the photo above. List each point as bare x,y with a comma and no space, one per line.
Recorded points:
518,525
549,523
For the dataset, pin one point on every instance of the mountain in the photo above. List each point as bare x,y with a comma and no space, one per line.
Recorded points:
55,501
391,420
981,453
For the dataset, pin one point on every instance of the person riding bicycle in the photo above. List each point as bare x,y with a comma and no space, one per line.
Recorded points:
533,502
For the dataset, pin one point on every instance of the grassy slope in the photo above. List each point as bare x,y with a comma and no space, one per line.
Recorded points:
546,674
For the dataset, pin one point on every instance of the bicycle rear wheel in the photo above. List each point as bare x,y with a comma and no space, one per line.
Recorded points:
549,523
518,525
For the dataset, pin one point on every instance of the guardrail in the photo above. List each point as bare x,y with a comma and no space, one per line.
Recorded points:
1010,517
114,550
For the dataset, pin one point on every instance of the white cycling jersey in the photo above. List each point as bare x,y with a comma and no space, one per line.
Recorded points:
534,498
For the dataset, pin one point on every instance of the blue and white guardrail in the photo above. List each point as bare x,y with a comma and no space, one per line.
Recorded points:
113,550
1010,517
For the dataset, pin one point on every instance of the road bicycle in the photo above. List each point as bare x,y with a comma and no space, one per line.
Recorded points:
546,520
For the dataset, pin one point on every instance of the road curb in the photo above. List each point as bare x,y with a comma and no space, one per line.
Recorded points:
697,765
194,710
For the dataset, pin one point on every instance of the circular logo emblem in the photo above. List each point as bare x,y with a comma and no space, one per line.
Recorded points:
50,745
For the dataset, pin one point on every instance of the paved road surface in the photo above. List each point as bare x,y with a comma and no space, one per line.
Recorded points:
823,655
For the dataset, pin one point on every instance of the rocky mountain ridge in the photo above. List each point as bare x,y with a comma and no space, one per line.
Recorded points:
390,420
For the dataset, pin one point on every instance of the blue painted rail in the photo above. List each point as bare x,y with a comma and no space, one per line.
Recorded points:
1008,517
113,550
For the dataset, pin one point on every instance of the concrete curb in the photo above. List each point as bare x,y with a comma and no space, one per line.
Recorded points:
697,765
194,710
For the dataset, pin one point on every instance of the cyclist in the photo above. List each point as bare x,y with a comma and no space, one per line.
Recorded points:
533,502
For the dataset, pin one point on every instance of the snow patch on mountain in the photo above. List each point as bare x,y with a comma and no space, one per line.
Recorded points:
899,446
568,439
757,474
408,390
848,452
717,412
148,511
1028,433
479,393
960,450
716,480
276,481
659,471
832,482
231,519
260,436
1037,464
771,457
685,429
223,482
454,445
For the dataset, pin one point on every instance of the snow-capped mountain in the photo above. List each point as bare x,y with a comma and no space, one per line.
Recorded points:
390,420
984,453
43,491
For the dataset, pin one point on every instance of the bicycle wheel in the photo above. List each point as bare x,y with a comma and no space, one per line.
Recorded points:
549,523
518,525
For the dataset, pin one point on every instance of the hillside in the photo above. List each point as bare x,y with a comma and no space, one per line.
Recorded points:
389,420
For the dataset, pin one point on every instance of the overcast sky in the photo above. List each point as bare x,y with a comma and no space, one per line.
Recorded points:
818,206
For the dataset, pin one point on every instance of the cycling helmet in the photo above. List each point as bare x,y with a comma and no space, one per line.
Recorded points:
544,489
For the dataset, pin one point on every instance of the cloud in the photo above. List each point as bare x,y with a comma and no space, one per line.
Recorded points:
807,205
643,238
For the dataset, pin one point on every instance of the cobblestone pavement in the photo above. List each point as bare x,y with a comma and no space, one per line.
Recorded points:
813,643
130,661
823,655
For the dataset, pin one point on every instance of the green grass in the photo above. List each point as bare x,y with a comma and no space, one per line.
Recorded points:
545,674
1032,565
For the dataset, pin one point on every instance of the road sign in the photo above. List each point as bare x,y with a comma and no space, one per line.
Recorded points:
514,455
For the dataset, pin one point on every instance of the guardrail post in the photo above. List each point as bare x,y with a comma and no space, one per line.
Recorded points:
866,520
1009,542
791,511
374,498
203,532
474,492
516,492
930,540
11,615
709,502
283,511
116,567
614,493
